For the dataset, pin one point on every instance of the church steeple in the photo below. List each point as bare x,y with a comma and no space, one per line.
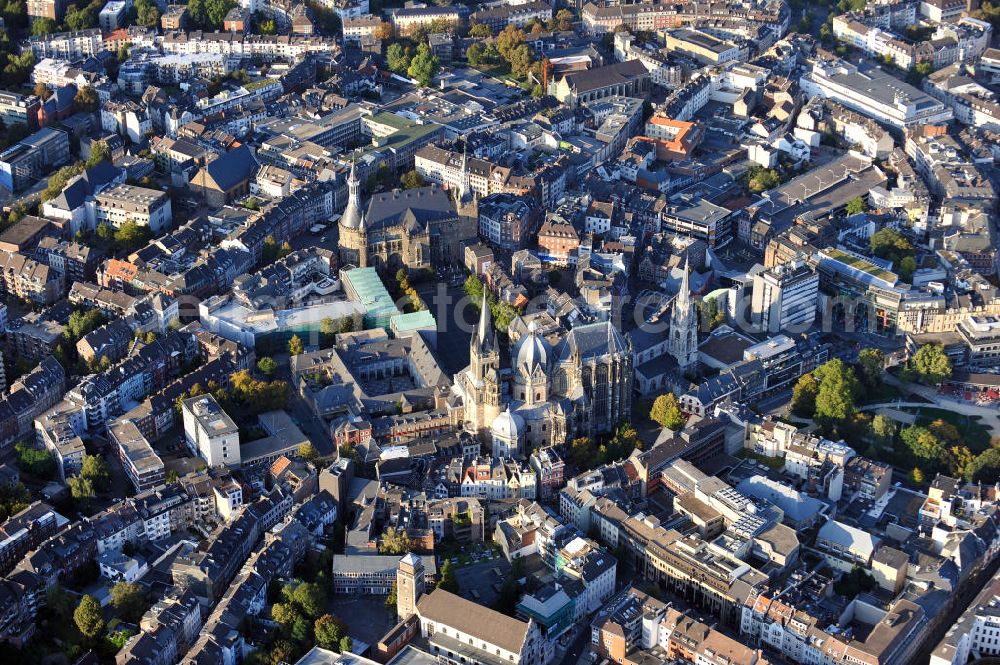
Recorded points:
486,337
683,341
352,217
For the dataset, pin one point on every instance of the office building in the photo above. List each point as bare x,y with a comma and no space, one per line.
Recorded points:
785,298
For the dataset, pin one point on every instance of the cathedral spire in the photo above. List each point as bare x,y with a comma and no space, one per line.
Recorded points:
683,340
484,331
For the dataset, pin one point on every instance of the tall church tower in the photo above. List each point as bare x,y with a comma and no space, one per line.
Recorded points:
409,585
683,342
484,366
353,236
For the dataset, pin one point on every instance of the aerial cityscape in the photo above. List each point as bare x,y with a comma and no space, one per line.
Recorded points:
499,332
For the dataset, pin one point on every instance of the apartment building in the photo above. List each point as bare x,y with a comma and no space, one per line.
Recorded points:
129,203
17,109
210,432
23,163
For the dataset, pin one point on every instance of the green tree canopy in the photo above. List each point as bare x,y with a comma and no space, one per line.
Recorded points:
147,13
480,31
295,346
424,66
411,180
931,364
267,366
329,631
667,412
394,541
922,443
448,581
838,388
857,205
129,601
88,617
804,396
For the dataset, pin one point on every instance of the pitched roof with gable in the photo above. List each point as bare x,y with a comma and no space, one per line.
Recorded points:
473,619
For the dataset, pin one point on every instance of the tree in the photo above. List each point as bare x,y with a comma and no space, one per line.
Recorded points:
82,322
267,366
99,152
887,243
424,66
838,387
759,179
129,600
931,364
509,39
80,488
946,433
329,631
411,180
448,581
884,429
295,346
394,542
960,462
347,324
88,617
346,644
581,452
392,598
480,31
82,17
564,20
474,289
308,452
804,396
383,31
267,27
37,462
309,598
42,91
147,13
922,443
86,99
916,476
130,236
906,267
43,26
667,412
857,205
95,469
871,362
327,331
398,58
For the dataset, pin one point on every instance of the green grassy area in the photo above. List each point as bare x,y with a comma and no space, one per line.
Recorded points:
770,462
860,264
884,392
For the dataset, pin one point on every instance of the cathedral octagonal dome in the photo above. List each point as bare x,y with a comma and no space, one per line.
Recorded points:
507,426
533,351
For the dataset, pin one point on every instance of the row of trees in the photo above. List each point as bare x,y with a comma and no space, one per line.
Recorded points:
586,453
